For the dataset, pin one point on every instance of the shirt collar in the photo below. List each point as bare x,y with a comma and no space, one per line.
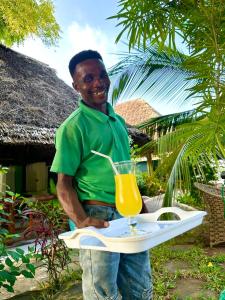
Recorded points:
100,116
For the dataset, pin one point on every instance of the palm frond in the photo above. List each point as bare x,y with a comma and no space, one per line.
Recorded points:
167,123
150,74
192,145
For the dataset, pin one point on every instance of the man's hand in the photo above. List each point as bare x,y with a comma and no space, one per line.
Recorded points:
72,206
93,222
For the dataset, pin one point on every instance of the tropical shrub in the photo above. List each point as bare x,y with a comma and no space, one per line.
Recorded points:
190,200
13,263
149,185
48,221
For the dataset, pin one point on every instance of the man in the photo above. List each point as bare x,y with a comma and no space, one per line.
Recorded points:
86,186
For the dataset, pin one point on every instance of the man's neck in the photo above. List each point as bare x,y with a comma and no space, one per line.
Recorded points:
101,107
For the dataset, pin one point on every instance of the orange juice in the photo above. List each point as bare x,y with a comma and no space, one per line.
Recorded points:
128,198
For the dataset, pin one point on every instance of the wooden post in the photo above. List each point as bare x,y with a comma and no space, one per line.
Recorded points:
149,163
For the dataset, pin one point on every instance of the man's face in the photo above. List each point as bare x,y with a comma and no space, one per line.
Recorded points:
91,80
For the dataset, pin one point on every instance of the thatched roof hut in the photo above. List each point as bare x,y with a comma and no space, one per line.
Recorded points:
32,99
136,111
33,103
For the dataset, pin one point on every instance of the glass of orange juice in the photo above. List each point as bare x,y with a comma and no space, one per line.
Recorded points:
128,198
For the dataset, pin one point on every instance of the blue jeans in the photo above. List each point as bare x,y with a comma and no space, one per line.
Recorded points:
107,275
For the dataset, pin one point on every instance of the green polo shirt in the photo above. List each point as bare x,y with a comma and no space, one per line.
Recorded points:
84,130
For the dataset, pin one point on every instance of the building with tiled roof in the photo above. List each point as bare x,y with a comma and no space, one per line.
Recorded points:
136,111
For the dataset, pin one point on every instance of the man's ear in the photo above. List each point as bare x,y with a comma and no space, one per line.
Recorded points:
74,86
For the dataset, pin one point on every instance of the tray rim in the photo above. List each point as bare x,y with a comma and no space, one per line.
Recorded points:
87,231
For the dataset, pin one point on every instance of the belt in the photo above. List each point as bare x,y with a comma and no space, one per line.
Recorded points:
95,202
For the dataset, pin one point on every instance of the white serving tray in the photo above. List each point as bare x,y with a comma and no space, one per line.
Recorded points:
151,232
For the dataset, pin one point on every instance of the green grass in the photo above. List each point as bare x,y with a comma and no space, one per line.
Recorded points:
193,255
200,266
188,250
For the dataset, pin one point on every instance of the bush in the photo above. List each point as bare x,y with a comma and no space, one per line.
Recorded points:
150,185
13,263
190,200
49,221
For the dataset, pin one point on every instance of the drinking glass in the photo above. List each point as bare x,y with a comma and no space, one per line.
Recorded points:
128,198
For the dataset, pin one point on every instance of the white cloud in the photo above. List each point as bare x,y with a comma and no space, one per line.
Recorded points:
53,56
75,38
87,37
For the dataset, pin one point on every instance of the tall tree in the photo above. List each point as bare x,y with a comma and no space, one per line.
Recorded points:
20,19
201,26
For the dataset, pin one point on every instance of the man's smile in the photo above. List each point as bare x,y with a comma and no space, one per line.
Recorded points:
99,93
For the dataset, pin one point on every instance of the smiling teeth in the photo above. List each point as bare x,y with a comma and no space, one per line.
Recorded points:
99,93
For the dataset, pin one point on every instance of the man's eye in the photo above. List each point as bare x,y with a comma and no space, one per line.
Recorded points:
104,75
88,78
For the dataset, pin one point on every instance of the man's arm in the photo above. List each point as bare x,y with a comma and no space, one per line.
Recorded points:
72,206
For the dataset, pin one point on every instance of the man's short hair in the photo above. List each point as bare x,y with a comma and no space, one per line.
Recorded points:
81,56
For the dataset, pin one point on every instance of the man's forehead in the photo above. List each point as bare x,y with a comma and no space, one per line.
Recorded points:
90,64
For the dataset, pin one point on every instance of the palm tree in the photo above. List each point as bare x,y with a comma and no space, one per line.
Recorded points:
197,142
149,72
201,27
161,75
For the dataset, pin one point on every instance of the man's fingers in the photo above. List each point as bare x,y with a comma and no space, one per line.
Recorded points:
99,223
94,222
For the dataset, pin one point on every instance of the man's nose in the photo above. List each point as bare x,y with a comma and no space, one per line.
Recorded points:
98,81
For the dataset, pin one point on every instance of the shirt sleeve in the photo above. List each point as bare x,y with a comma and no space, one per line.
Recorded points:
122,121
68,142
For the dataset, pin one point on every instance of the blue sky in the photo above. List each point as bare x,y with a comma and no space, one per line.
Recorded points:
84,26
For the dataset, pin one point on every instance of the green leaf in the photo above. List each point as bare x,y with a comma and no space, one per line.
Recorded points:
9,200
31,248
16,256
8,287
25,259
31,267
8,262
20,251
14,235
2,249
5,213
27,274
4,170
15,273
7,276
10,193
2,267
3,220
3,231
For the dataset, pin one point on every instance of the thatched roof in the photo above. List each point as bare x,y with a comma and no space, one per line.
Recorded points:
136,111
25,134
33,100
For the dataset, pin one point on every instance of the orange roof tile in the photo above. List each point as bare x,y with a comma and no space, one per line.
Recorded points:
135,111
